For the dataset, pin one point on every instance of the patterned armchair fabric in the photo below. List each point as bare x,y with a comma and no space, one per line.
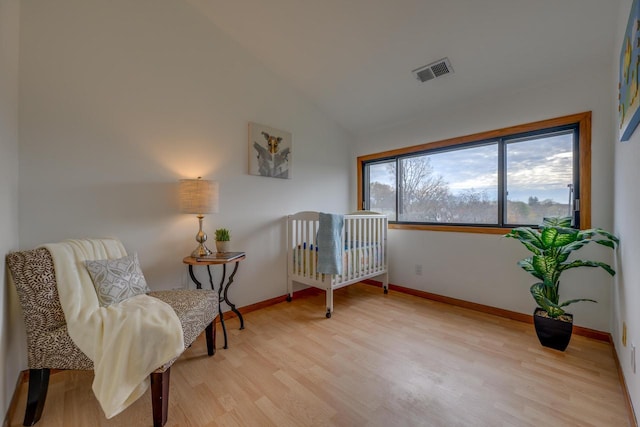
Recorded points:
49,344
195,309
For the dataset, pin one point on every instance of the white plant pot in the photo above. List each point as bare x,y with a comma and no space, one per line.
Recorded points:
222,246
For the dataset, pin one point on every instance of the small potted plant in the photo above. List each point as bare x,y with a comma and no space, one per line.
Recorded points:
551,244
222,240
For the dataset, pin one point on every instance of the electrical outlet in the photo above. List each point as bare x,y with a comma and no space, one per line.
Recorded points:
418,269
624,334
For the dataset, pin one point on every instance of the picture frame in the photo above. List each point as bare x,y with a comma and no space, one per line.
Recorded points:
270,151
629,81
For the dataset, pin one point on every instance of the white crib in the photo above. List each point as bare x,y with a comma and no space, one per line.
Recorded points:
364,256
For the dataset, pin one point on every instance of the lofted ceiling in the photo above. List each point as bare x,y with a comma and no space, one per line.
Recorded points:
353,58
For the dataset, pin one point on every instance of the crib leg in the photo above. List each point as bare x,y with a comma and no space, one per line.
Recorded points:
289,298
385,283
329,292
289,289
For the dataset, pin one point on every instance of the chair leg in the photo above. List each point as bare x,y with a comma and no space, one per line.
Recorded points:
210,334
37,394
160,397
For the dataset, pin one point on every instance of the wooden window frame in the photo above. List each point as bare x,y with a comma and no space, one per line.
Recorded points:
583,120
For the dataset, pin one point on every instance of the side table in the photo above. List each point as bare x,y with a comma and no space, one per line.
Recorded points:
219,258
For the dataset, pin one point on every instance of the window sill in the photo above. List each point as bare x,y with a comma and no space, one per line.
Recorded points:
451,228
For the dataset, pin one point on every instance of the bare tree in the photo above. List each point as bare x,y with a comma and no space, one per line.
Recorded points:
382,197
423,195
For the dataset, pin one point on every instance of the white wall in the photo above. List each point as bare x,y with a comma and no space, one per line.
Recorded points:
121,99
12,341
482,268
626,225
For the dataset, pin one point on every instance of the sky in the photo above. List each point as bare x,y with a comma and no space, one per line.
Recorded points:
540,167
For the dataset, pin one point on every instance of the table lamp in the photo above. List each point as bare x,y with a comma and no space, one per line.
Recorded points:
199,196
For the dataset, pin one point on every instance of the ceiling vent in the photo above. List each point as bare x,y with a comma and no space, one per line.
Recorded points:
433,70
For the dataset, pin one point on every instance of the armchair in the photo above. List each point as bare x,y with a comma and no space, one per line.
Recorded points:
51,347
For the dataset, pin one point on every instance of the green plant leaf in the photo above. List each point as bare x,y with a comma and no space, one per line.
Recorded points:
527,236
547,267
607,235
526,265
607,243
555,237
531,247
581,263
593,232
222,235
562,256
538,291
561,221
586,234
573,246
571,301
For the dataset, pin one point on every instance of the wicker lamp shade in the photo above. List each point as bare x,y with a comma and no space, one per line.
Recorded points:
198,196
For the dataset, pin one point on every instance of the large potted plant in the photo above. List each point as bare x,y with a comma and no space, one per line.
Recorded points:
551,244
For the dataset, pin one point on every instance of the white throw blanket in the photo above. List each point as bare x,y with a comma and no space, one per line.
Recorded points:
126,341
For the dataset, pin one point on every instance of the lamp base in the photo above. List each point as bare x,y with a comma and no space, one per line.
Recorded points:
201,251
201,237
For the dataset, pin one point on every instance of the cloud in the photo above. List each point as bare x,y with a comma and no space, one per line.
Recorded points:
542,164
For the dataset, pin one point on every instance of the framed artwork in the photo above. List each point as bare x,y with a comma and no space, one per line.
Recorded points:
628,100
269,151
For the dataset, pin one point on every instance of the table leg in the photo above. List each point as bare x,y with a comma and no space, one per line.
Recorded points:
226,298
193,277
220,299
224,329
223,296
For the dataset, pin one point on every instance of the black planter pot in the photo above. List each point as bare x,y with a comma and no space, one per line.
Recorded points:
553,333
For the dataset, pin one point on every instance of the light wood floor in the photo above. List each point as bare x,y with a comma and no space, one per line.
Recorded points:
381,360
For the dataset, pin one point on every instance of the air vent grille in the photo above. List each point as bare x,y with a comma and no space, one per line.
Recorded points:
433,70
425,74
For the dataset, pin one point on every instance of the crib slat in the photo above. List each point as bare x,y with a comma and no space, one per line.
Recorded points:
370,243
313,253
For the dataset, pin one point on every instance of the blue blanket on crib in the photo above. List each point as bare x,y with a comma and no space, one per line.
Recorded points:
330,243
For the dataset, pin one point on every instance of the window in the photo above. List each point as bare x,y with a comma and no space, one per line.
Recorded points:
484,182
